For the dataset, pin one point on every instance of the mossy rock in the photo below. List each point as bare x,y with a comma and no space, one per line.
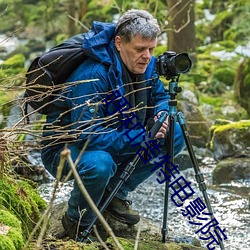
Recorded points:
219,107
231,139
11,237
22,200
128,244
242,85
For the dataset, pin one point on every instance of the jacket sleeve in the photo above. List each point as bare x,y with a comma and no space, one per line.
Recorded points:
161,97
88,114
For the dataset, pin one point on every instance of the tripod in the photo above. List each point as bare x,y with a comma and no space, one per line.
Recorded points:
173,90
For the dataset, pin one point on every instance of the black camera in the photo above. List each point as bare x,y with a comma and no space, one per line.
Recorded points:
170,64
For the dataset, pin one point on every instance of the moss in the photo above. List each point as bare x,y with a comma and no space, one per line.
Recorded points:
225,75
16,61
128,244
9,219
16,237
234,125
21,199
214,101
13,239
242,84
221,133
13,71
6,243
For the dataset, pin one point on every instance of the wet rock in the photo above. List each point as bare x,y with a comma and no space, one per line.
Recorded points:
197,125
232,139
231,169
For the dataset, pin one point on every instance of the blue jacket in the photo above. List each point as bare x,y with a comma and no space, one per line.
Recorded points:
87,117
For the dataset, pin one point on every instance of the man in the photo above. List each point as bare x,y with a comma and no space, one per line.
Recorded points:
121,70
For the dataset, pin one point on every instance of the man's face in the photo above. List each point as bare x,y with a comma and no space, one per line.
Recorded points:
137,53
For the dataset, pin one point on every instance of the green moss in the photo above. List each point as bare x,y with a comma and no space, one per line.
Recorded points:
13,71
214,101
236,125
239,128
13,239
225,75
16,237
128,244
6,243
21,199
242,84
9,219
16,61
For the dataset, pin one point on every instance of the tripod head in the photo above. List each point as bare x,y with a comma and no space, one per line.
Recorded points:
171,65
174,89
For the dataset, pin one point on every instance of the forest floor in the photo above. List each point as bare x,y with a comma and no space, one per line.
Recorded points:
146,235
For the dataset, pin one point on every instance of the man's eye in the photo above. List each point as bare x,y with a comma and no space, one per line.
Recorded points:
151,50
139,50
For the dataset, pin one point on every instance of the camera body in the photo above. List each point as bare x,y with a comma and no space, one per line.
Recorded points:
171,65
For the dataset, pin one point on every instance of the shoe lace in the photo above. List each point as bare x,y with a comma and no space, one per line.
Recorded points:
127,203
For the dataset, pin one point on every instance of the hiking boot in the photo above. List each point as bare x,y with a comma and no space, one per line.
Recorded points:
75,231
121,211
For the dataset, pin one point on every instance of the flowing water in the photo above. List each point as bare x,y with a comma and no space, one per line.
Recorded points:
230,203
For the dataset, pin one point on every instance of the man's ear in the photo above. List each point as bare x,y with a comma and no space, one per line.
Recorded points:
118,42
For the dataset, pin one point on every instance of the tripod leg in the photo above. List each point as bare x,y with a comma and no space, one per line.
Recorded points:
164,229
198,175
124,176
170,143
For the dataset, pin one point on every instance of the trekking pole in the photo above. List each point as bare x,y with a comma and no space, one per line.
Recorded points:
127,171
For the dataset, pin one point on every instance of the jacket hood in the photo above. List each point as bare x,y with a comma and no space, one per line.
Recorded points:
98,43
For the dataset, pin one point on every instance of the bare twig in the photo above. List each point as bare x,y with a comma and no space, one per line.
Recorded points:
137,236
77,21
67,155
99,238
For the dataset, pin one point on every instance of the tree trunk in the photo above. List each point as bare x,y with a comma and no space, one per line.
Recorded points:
83,7
181,27
72,13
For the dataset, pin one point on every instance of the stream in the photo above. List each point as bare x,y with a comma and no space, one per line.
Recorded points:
230,204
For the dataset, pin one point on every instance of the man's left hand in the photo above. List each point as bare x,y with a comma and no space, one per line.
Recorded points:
164,128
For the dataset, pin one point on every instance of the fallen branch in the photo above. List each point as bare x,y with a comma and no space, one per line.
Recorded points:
65,154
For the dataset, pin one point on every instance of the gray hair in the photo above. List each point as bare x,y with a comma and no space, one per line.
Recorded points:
137,22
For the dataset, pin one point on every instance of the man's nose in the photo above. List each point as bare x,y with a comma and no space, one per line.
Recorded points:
146,54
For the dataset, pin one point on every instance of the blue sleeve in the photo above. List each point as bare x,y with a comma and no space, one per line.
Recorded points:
161,97
88,114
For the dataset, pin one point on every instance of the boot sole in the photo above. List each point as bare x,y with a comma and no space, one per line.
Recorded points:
121,219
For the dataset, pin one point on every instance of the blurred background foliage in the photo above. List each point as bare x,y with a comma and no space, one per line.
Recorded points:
215,34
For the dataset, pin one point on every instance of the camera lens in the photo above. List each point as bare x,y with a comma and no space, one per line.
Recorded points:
182,63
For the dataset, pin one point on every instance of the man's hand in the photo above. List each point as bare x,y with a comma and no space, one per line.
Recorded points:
164,128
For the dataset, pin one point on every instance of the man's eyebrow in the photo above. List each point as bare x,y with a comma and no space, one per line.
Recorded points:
144,47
